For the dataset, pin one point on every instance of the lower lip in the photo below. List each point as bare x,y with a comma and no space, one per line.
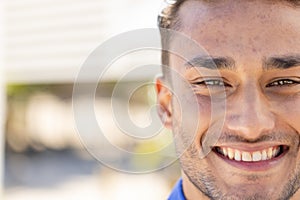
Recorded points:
253,166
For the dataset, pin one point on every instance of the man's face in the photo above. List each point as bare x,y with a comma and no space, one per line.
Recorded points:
257,155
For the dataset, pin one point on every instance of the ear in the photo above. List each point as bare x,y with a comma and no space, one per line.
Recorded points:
164,108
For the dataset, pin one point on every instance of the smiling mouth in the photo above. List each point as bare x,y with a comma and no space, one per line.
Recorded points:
259,156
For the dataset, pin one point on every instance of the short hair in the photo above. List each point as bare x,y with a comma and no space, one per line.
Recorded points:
169,19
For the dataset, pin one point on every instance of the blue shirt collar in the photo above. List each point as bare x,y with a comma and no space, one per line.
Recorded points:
177,192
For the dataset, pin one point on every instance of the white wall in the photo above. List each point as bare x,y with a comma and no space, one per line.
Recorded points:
48,40
2,99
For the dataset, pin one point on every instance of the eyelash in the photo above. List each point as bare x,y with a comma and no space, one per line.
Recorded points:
282,83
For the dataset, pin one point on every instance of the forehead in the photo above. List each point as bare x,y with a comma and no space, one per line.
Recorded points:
244,29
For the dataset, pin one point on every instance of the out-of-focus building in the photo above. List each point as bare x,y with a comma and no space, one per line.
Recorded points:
46,43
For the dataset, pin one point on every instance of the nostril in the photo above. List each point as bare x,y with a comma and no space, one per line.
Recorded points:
249,126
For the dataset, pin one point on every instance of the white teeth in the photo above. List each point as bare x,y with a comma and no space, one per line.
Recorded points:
225,152
264,155
275,152
270,153
255,156
246,156
237,155
230,153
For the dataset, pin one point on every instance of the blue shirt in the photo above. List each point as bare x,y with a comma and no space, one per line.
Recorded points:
177,192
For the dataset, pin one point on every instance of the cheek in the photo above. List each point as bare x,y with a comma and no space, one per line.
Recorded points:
289,111
204,118
211,112
204,107
196,118
194,114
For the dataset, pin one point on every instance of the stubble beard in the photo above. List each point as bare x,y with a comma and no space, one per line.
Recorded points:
206,182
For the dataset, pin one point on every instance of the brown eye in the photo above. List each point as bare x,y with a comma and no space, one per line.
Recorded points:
283,82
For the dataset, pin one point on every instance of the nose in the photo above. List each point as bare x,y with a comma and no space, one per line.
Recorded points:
249,114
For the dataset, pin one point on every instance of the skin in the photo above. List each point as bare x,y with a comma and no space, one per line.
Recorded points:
257,114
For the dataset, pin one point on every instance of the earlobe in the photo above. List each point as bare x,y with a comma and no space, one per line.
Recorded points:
164,103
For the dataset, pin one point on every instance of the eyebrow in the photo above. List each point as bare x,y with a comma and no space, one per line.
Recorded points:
218,63
211,62
281,62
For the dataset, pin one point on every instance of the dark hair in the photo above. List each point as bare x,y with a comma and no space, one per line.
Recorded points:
169,19
169,15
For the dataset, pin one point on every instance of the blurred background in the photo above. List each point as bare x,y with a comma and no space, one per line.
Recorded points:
43,44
